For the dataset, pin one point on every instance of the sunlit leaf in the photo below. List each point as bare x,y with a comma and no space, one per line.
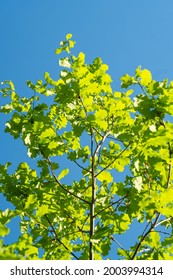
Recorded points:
63,173
105,176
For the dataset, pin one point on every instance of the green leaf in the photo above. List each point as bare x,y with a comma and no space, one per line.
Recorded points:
31,200
105,176
144,75
42,210
68,36
46,134
4,230
6,216
126,81
63,173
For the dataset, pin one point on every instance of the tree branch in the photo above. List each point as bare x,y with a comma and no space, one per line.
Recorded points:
170,165
89,171
59,183
170,156
144,236
92,205
120,246
58,240
110,205
107,166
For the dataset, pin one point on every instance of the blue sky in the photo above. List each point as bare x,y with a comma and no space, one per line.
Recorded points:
123,33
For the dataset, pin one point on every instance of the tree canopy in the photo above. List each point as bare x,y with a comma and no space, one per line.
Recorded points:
98,132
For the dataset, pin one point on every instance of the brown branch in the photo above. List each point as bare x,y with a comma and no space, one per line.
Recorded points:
108,165
170,156
144,236
145,93
92,204
170,165
162,232
120,246
59,183
89,171
58,240
110,205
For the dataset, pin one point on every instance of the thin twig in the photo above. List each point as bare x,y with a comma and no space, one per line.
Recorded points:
144,236
142,88
93,194
107,166
170,165
110,205
57,239
120,246
83,168
59,183
161,222
101,142
163,232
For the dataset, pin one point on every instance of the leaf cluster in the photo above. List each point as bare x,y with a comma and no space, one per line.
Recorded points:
78,212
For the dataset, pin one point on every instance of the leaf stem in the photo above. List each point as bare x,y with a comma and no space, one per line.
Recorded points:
108,165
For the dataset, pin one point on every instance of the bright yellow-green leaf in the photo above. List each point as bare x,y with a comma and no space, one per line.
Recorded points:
117,94
82,114
103,125
129,92
81,58
47,133
30,200
75,145
4,230
63,173
14,96
114,146
68,36
125,222
101,114
71,44
120,105
61,121
53,145
145,76
58,51
167,196
88,101
122,223
105,176
42,210
37,126
155,239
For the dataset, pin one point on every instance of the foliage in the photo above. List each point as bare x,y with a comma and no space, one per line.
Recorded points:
85,124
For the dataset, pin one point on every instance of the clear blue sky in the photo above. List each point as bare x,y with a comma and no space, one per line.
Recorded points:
123,33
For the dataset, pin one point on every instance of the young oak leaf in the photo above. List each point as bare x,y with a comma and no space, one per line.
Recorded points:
63,173
144,75
105,176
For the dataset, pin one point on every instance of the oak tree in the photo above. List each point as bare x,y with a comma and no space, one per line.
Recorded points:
80,211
